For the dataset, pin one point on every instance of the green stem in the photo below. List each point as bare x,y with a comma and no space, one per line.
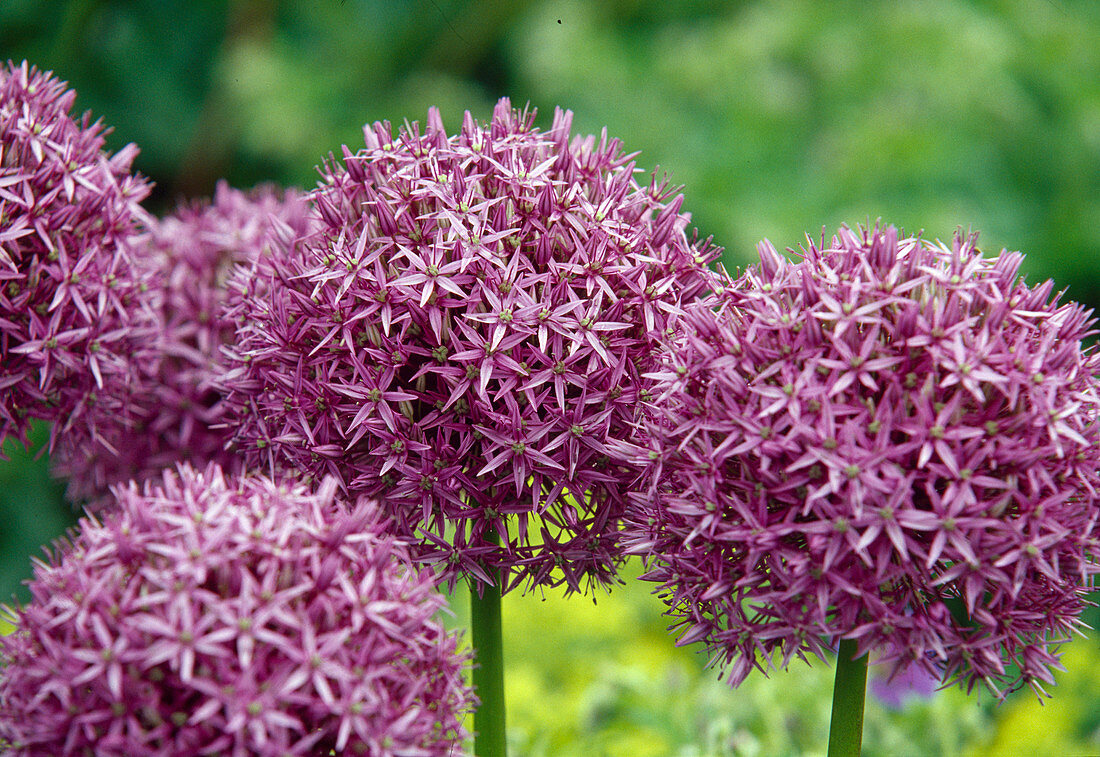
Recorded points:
488,670
849,691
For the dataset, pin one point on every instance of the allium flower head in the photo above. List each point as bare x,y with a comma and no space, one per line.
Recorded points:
889,441
170,410
66,282
464,335
208,615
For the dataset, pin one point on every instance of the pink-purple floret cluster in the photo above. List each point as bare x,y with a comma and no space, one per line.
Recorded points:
209,615
463,334
499,356
890,441
170,410
68,285
206,613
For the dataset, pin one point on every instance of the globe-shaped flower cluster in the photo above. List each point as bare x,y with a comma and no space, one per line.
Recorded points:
170,410
66,280
887,441
208,615
462,336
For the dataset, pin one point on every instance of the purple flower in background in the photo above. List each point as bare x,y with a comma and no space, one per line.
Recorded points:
170,410
894,687
210,615
888,441
67,285
464,334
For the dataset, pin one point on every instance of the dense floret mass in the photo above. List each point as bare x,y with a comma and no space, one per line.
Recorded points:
66,282
170,411
207,615
463,336
889,441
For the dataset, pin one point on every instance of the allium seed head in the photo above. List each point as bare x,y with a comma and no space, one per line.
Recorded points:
210,615
464,335
889,441
170,411
66,279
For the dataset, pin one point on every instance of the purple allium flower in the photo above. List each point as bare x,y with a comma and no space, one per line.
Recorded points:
210,615
170,410
66,282
464,335
894,686
888,441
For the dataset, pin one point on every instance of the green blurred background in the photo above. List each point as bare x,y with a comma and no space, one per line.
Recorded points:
779,117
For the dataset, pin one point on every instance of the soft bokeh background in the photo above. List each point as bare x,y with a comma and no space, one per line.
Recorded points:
780,117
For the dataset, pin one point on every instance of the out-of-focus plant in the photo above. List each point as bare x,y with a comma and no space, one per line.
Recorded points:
623,690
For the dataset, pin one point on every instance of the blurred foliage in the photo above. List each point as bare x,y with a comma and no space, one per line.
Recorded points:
603,678
32,511
1067,724
780,117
